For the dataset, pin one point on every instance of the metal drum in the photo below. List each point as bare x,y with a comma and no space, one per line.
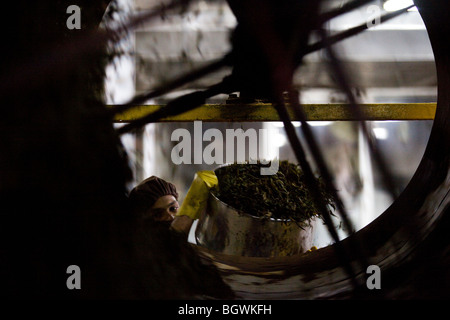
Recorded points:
223,229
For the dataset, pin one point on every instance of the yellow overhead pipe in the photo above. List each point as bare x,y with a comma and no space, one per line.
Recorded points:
260,112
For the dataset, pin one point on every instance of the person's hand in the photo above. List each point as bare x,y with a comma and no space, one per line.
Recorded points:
197,196
195,201
182,224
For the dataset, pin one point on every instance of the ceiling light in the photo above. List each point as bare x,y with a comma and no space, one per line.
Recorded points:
280,124
394,5
319,123
380,133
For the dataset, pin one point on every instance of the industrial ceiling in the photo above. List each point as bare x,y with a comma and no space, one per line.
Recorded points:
390,62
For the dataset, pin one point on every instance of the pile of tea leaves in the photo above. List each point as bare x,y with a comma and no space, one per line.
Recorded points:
283,195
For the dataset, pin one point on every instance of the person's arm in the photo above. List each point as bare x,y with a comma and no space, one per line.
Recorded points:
195,201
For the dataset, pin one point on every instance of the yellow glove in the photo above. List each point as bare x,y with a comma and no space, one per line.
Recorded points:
196,198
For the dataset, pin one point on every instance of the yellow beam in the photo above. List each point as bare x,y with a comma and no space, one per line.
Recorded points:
266,112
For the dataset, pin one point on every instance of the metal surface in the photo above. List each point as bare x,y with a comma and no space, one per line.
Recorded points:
223,229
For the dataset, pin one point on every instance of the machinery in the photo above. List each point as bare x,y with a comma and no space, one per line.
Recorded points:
402,240
408,242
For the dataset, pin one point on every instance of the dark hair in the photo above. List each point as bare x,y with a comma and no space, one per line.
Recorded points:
145,194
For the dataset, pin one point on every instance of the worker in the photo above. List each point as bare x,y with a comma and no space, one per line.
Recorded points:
155,199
